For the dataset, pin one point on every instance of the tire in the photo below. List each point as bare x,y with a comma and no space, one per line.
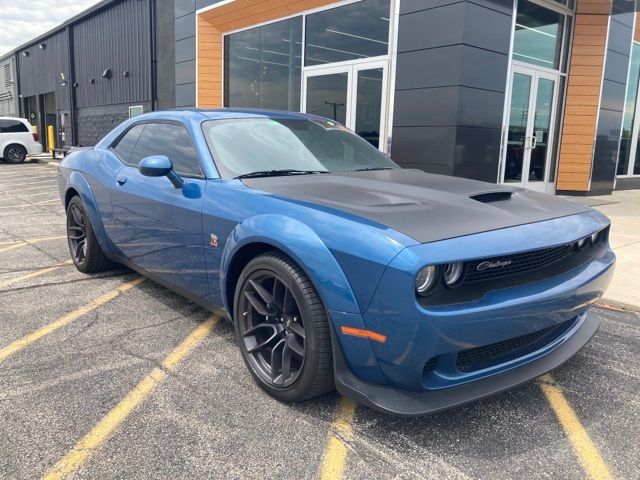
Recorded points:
86,253
14,153
300,312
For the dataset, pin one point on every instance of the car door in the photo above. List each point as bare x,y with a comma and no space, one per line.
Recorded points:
157,226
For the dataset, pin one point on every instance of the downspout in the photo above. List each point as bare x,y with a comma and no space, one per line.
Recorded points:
153,84
72,90
21,109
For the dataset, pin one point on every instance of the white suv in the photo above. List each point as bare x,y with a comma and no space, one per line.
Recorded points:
17,140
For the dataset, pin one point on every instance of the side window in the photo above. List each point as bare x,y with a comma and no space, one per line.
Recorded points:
125,145
170,140
12,126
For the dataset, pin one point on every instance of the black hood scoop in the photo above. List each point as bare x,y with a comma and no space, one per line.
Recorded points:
423,206
489,197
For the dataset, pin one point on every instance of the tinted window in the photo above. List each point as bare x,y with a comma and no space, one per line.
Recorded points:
262,66
12,126
256,144
358,30
538,36
170,140
125,146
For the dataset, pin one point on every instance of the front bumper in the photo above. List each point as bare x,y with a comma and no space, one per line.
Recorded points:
409,403
418,369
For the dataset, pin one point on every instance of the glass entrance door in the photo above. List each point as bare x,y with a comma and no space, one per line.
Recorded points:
532,108
351,94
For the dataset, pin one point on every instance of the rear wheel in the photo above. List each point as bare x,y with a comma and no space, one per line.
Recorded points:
85,250
282,329
15,154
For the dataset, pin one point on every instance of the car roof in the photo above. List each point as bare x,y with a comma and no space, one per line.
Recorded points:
228,113
23,120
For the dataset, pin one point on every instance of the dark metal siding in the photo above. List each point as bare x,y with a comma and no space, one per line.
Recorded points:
185,49
116,39
614,84
40,71
451,74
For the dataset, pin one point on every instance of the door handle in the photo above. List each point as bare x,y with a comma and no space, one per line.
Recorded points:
534,142
121,180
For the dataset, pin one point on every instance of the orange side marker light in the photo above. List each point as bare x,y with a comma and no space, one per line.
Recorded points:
360,332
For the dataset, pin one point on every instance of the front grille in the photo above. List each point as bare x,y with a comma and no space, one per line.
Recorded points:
481,357
493,267
429,367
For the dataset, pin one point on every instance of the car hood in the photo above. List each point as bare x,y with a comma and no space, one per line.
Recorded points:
423,206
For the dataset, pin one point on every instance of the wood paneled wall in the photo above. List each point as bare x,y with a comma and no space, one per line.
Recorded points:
213,23
583,95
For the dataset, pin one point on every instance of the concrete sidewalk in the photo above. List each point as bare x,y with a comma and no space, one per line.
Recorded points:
623,208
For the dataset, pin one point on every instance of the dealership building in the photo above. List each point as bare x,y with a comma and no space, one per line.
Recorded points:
541,94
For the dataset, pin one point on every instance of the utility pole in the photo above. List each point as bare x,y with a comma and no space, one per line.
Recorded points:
335,106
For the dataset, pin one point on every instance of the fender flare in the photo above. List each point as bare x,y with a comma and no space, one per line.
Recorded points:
304,246
79,183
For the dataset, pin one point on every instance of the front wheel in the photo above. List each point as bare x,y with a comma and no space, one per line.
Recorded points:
85,250
282,329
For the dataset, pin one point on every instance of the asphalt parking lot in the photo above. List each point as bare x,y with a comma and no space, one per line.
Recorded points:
108,376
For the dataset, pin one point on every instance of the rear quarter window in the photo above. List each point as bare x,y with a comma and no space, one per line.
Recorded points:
13,126
124,147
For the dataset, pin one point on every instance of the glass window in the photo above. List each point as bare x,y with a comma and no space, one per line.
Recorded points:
358,30
126,144
242,146
263,65
629,111
12,126
369,105
170,140
538,35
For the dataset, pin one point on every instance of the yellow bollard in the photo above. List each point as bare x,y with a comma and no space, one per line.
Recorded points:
51,139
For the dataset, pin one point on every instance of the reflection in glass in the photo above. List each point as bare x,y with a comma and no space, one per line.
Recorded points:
517,134
358,30
629,111
327,96
538,35
541,128
368,105
263,66
170,140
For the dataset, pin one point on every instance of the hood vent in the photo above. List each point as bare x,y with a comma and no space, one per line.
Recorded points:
490,197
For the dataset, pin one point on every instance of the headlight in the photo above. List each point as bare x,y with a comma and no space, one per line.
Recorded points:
583,242
595,238
453,273
426,279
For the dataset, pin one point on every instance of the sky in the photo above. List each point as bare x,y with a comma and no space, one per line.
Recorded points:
22,20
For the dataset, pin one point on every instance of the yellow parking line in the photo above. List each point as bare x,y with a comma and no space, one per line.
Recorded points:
335,453
24,243
108,424
27,196
66,319
591,460
35,204
35,273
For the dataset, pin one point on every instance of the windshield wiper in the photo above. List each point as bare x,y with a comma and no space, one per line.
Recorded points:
278,173
370,169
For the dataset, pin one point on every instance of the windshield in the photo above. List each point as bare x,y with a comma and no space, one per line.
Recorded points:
245,146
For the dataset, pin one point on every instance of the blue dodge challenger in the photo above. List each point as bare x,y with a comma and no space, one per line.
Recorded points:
408,292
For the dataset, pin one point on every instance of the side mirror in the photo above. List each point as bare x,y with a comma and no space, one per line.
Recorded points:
160,166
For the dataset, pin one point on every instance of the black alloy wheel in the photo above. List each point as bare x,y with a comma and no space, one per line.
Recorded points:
15,154
84,248
282,329
272,329
76,234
